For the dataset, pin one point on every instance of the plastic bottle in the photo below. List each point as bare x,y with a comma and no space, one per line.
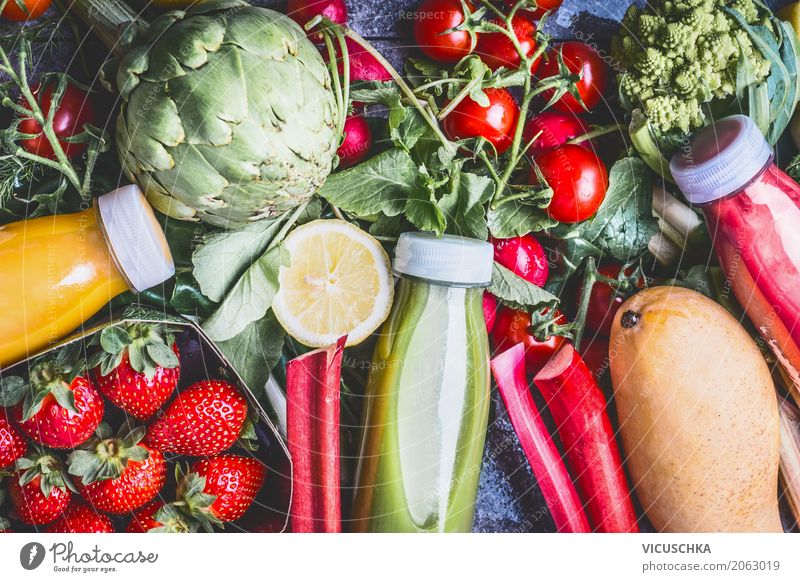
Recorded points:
58,271
428,393
752,209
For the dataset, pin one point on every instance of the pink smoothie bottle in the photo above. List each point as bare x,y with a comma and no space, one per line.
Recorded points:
753,213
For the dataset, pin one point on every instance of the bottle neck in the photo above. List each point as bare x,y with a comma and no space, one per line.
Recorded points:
95,211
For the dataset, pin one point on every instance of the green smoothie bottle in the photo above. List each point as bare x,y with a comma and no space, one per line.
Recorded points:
428,394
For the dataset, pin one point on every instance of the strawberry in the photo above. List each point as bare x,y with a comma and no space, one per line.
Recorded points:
39,490
118,474
203,420
58,407
12,444
160,517
138,367
220,489
80,518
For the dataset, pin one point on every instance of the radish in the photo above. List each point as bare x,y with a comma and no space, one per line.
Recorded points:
356,143
524,256
302,11
556,129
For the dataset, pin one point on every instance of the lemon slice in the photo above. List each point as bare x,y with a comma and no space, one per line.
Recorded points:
338,283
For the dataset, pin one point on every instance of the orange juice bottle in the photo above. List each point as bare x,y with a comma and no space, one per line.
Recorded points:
58,271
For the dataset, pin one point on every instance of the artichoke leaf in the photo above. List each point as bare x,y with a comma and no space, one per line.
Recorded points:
268,36
193,181
211,99
132,65
190,42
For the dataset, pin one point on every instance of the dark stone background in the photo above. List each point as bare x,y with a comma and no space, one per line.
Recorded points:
509,500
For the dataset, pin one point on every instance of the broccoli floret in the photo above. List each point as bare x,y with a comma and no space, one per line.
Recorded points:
677,55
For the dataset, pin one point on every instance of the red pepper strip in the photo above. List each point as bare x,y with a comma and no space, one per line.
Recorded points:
312,431
545,461
579,411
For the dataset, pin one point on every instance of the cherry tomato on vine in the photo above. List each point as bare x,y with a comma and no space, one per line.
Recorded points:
594,351
579,181
579,58
497,50
433,18
604,302
495,123
554,129
542,6
513,326
33,9
524,256
74,112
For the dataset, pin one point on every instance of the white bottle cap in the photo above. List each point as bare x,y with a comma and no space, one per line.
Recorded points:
453,260
135,238
721,159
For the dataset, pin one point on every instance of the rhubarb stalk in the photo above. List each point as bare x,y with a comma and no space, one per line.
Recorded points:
312,430
579,410
548,468
790,457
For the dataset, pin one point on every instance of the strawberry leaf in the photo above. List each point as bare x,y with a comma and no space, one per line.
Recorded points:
33,403
64,396
12,390
162,355
114,339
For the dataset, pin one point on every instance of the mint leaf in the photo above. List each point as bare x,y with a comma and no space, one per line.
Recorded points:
255,351
624,224
463,205
224,256
518,293
380,184
250,297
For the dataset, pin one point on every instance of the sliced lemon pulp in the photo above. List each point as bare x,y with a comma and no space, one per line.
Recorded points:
338,283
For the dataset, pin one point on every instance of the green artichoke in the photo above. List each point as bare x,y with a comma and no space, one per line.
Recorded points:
227,114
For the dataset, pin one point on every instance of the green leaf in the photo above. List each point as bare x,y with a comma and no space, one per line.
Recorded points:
224,256
162,355
516,292
380,184
12,390
408,132
423,211
463,206
624,224
516,218
255,351
64,396
250,298
114,339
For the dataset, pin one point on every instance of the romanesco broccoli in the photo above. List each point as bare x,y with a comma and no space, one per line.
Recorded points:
677,55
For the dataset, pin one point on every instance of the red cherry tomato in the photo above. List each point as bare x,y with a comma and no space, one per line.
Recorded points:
512,327
303,11
579,181
524,256
497,50
495,123
357,141
578,57
554,129
74,111
542,6
489,310
594,351
604,302
433,18
34,9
